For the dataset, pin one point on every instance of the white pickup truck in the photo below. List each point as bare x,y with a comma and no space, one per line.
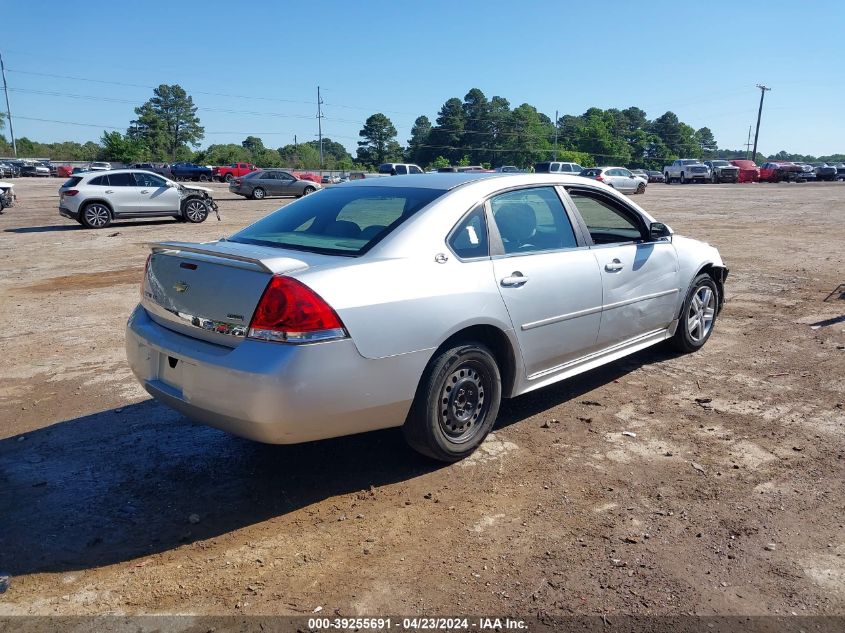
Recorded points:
686,170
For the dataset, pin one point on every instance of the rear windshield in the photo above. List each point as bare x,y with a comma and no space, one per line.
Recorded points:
72,181
338,221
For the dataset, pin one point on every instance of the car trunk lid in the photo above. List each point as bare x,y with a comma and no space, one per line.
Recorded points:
210,291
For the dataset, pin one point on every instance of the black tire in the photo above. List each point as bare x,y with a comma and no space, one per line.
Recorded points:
194,210
667,179
641,188
309,189
456,403
203,178
683,179
258,193
693,328
95,215
228,178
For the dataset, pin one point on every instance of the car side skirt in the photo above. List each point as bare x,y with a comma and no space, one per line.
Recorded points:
596,359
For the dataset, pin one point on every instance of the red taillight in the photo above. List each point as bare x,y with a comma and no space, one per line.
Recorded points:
144,278
71,192
236,182
291,312
599,178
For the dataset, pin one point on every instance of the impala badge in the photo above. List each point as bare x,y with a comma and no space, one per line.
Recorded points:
180,286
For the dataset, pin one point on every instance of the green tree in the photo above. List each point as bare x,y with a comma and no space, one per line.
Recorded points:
167,123
706,141
528,139
122,148
379,144
253,145
446,137
440,162
222,154
417,150
477,126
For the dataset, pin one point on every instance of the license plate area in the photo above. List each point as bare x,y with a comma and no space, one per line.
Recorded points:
170,370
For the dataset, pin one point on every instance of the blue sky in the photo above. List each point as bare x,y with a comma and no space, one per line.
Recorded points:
699,59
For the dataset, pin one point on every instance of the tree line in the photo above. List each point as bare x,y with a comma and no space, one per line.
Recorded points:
472,131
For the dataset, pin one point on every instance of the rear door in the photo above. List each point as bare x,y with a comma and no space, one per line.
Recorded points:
547,277
640,279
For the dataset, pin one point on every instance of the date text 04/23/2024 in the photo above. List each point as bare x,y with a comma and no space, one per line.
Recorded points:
418,624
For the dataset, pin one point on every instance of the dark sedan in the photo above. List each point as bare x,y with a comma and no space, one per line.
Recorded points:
271,182
655,176
824,171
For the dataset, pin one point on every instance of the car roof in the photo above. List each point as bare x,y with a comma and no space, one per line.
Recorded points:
447,181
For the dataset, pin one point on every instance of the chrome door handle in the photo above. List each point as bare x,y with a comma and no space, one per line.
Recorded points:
109,191
515,279
145,191
614,267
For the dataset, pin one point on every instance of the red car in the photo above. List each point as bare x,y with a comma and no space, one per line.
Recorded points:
748,170
780,171
64,171
230,172
308,176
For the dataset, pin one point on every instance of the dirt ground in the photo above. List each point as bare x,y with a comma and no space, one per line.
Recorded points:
729,500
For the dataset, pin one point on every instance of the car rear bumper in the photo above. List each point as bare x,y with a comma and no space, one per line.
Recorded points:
68,213
272,392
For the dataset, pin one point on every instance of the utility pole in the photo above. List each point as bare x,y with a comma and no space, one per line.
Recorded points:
555,158
8,109
748,143
763,90
320,124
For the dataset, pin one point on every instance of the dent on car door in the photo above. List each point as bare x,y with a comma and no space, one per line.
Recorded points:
547,277
640,278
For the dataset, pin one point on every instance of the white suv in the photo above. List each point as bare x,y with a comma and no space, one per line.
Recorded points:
96,198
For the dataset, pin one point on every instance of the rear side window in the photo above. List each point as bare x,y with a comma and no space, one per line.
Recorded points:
531,220
469,238
121,180
401,169
339,220
591,172
72,181
101,181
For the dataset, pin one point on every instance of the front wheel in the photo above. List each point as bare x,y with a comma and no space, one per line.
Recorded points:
641,188
308,189
203,178
666,178
456,404
683,179
698,315
195,211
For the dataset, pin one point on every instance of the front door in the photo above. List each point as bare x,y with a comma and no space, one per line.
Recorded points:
639,277
154,195
549,282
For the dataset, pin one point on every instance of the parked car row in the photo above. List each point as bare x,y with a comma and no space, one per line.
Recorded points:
717,171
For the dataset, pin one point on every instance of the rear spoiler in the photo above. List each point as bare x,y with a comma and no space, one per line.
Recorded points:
188,247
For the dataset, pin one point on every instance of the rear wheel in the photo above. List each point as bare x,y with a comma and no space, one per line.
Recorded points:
195,211
203,178
456,404
258,193
667,179
95,216
641,188
698,315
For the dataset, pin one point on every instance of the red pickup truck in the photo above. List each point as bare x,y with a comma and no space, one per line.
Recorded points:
230,172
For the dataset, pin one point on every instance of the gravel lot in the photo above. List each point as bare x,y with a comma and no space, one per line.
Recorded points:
729,500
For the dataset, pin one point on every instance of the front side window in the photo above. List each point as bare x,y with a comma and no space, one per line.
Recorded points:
413,169
401,169
148,180
532,220
338,221
607,222
469,238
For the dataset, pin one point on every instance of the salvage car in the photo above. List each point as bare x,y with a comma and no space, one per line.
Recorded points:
413,302
780,171
95,198
722,171
824,171
7,195
748,170
617,177
271,182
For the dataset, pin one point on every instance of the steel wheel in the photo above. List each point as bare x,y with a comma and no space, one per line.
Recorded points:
700,314
456,403
462,402
96,216
195,211
258,193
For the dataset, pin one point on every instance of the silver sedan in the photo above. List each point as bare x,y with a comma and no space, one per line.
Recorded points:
271,182
416,301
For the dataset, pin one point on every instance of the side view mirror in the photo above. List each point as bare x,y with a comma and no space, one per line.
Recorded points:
658,230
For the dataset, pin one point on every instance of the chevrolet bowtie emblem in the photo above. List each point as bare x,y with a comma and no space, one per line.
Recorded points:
180,286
